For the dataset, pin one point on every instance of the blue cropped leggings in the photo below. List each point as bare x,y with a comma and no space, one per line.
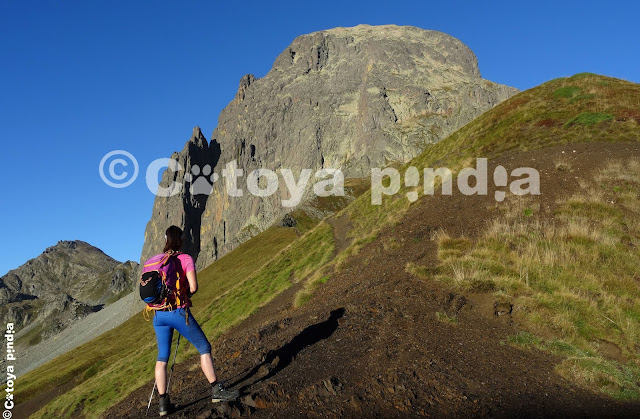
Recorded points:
165,321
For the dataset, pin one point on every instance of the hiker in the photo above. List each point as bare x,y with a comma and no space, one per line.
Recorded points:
176,315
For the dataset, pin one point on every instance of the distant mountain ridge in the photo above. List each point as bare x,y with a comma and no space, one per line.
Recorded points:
63,284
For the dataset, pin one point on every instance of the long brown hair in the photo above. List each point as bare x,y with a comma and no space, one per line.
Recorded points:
174,239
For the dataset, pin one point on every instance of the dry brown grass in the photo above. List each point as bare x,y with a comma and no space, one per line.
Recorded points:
573,277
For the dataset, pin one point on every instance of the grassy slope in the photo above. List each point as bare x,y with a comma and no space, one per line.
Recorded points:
532,119
586,108
573,281
112,365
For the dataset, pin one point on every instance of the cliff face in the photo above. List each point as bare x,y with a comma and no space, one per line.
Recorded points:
66,282
183,209
348,98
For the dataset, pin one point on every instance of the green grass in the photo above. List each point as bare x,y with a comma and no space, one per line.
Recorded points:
567,92
588,367
582,75
573,93
582,97
304,222
574,278
445,318
529,120
579,301
589,118
109,367
309,289
619,381
593,298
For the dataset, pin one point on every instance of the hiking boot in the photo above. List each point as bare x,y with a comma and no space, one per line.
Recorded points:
220,394
165,405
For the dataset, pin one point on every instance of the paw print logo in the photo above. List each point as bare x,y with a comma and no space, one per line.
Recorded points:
201,181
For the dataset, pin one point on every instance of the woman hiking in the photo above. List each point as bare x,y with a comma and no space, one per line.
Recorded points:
176,315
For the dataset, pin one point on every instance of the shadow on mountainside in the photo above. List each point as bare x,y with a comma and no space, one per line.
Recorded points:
279,359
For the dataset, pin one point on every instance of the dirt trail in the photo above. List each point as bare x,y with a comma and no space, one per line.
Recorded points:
369,343
341,226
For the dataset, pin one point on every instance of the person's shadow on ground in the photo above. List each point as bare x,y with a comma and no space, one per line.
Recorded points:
309,336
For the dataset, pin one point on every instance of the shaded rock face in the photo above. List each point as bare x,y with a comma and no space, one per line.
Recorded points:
66,282
348,98
183,209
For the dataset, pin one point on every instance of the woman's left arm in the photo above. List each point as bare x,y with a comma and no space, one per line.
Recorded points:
193,282
190,269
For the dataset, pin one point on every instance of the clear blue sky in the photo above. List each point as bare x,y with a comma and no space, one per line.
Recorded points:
82,78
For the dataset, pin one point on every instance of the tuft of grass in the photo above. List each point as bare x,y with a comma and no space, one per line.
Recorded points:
310,288
566,92
562,165
421,272
589,118
93,370
448,246
524,339
353,249
582,97
586,367
617,380
445,318
390,243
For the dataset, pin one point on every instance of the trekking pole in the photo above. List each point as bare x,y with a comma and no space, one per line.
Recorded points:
175,354
151,398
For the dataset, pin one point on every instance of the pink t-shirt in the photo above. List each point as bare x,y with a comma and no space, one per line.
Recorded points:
186,263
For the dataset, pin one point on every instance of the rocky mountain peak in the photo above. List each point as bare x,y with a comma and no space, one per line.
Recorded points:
63,244
326,49
198,138
348,98
69,273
